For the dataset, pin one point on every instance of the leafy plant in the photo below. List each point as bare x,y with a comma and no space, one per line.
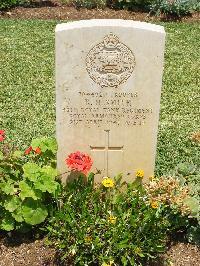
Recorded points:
175,7
28,184
113,223
88,3
10,3
131,4
189,174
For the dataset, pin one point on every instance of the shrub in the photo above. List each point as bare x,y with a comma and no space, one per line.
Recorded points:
175,7
87,3
189,175
132,4
115,223
28,188
4,4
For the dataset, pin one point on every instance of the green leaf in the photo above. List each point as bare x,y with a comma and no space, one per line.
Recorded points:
8,187
193,204
44,184
51,144
50,172
37,143
27,191
46,181
123,244
1,155
18,215
186,168
8,222
193,235
34,212
32,171
124,261
17,154
12,203
45,144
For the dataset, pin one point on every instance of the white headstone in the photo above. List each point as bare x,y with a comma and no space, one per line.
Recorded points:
108,79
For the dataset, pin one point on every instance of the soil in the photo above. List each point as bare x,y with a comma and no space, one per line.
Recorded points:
54,9
21,250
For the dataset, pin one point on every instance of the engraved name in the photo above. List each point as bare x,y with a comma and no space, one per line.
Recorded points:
98,109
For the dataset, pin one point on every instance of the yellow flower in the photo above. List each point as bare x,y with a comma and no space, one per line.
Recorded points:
108,264
88,239
140,173
108,182
112,219
138,250
154,204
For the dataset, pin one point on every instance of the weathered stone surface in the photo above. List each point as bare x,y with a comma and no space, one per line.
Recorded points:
108,79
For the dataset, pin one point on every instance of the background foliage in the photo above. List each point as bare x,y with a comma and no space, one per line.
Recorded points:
174,7
189,175
10,3
166,7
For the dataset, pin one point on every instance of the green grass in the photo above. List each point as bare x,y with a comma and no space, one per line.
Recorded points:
27,85
180,101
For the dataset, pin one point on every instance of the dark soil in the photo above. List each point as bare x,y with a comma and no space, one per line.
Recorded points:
20,250
43,9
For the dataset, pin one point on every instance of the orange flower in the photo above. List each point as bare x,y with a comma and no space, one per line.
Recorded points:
154,204
37,150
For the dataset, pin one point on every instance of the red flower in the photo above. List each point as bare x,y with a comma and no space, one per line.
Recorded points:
2,132
2,135
2,138
37,150
79,161
28,150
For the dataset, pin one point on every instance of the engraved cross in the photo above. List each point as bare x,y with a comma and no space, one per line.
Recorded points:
106,148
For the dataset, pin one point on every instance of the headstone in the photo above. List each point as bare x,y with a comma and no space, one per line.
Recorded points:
108,79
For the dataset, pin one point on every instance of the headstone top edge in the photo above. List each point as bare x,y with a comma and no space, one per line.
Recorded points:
109,22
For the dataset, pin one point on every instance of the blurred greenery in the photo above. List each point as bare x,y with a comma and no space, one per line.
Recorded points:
27,99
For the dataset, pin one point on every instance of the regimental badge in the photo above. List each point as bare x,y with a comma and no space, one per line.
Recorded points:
110,63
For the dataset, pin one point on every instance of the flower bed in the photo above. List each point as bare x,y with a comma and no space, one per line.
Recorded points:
111,223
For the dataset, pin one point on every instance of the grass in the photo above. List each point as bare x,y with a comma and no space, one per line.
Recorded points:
27,87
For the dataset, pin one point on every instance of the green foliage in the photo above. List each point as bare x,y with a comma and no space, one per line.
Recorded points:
167,7
175,7
193,234
28,186
189,175
4,4
132,4
116,224
88,3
